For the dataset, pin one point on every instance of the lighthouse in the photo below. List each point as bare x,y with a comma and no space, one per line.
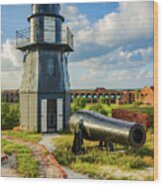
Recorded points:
45,86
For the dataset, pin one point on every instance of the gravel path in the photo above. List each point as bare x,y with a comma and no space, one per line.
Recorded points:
8,167
48,143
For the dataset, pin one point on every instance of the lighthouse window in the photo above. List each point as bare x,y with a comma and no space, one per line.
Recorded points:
49,29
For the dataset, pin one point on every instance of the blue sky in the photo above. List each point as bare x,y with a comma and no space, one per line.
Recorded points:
113,44
14,17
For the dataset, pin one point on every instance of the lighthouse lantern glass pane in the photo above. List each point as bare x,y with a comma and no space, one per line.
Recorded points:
49,29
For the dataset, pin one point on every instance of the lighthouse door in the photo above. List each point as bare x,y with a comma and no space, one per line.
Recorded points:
51,115
48,115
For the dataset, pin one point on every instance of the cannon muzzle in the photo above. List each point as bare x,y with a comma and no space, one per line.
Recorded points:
97,127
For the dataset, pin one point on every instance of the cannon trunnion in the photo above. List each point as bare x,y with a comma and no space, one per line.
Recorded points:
97,127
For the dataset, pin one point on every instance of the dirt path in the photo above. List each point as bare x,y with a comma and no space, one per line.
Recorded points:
49,167
48,143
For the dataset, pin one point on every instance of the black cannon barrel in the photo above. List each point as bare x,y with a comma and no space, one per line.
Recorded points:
97,127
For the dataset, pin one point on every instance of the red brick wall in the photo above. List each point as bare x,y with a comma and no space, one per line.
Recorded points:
141,118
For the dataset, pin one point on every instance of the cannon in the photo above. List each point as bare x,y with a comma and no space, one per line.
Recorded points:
97,127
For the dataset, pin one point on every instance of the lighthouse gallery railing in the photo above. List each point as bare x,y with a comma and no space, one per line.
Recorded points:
23,38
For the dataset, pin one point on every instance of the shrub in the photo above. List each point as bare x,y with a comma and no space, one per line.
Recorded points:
99,108
78,104
9,115
104,100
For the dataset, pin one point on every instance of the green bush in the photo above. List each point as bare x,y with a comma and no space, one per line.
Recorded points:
78,104
9,115
99,108
104,100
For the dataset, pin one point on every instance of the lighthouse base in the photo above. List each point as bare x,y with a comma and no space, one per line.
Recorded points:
44,112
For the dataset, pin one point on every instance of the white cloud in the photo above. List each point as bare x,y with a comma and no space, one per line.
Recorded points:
11,65
116,69
131,21
120,59
106,63
74,19
69,12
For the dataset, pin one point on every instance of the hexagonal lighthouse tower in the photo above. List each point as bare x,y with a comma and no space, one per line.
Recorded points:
45,87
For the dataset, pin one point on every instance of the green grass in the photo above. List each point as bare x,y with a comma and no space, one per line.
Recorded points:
10,148
92,161
85,168
22,135
26,164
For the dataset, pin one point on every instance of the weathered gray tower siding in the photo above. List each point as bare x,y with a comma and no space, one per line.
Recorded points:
28,92
29,111
51,80
45,75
